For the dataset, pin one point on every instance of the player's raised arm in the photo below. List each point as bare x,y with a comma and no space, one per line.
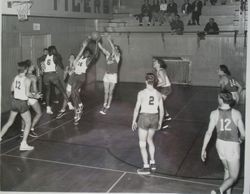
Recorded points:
103,49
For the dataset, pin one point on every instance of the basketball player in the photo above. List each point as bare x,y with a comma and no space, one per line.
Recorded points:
21,90
229,126
77,80
69,68
51,77
110,76
32,101
149,107
228,83
39,70
163,85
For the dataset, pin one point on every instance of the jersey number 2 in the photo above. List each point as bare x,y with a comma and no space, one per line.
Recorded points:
151,100
225,124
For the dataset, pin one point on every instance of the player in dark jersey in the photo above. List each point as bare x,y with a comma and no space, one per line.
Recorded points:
21,93
111,75
163,86
230,133
228,83
50,77
149,108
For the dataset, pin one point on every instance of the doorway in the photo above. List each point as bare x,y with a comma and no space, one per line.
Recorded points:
33,45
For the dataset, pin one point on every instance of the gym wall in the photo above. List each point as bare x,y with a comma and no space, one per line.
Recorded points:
205,55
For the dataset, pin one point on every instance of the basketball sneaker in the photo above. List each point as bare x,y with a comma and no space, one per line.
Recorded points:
153,167
167,118
48,110
104,111
33,134
61,114
143,171
25,147
71,107
216,191
164,127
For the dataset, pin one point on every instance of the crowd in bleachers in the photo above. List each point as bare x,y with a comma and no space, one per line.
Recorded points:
165,12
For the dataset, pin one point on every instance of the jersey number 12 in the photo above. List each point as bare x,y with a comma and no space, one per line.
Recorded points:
224,124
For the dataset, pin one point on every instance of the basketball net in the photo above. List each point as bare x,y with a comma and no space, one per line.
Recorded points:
23,8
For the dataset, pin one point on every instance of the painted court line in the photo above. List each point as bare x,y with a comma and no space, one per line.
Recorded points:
39,136
116,182
121,171
183,108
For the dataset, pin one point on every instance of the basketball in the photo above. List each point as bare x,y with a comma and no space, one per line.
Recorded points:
95,36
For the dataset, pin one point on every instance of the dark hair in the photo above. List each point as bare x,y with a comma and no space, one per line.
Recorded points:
52,50
87,50
227,97
225,69
150,78
28,62
161,62
22,66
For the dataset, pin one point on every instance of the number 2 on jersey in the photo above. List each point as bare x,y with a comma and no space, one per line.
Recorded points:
224,123
151,100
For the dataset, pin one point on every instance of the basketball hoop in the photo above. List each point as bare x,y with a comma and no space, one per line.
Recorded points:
22,7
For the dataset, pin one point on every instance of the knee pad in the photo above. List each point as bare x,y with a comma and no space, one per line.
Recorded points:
68,88
142,144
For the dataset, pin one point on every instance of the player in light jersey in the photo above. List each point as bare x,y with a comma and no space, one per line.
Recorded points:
77,79
34,103
230,133
111,74
163,85
228,83
21,89
149,107
50,77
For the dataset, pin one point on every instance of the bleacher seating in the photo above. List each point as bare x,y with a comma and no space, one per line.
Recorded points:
227,17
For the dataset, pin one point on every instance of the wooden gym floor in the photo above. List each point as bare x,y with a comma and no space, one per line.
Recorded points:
101,154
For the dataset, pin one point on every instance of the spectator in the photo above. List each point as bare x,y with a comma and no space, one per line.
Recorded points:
177,25
155,11
196,12
172,7
163,11
97,4
186,9
211,27
145,12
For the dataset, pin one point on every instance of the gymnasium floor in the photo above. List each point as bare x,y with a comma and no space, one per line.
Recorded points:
101,154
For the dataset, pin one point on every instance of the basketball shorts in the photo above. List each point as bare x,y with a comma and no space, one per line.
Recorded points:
165,90
110,77
74,78
32,101
51,77
20,106
148,121
228,150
